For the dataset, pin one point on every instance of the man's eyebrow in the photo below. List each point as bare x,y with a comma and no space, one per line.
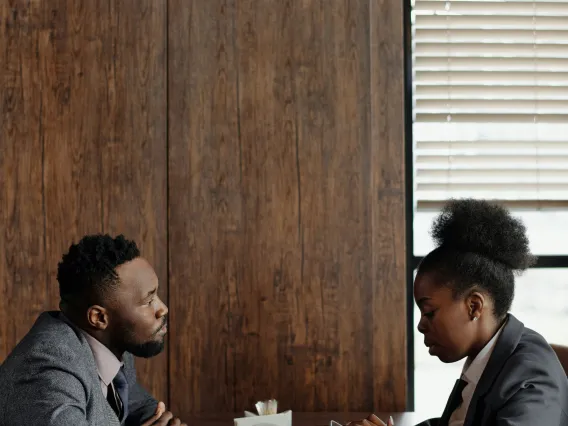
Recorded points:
150,293
422,300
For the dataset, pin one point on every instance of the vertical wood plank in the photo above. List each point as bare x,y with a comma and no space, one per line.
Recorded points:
205,204
274,230
72,47
86,113
332,83
134,147
388,197
271,250
22,251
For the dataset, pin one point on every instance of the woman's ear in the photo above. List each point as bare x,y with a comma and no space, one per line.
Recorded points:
475,304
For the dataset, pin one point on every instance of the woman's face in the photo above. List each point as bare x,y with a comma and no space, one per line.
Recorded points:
445,322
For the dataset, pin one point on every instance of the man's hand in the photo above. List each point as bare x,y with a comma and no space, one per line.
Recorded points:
163,418
372,420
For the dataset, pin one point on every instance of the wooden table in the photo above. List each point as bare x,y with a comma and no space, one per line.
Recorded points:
305,419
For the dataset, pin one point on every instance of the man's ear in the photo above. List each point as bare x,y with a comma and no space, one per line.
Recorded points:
97,317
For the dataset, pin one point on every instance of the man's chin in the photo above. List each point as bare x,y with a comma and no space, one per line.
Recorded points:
147,350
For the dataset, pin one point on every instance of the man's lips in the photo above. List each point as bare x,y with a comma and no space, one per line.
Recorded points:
163,328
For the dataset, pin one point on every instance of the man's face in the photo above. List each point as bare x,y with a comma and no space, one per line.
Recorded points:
138,318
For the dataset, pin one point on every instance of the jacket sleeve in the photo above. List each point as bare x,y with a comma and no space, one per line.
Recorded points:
141,405
535,397
47,392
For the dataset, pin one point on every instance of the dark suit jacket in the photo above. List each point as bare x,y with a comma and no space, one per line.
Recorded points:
523,383
51,379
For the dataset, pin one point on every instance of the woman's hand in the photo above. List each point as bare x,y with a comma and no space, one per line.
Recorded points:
372,420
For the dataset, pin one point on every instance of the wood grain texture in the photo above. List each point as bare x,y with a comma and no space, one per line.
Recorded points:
72,49
205,204
388,200
283,162
133,145
22,251
83,144
277,231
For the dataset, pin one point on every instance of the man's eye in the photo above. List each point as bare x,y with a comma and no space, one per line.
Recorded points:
151,301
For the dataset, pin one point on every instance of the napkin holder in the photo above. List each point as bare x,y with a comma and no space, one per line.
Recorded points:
251,419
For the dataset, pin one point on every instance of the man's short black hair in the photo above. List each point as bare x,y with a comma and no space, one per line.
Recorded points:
88,269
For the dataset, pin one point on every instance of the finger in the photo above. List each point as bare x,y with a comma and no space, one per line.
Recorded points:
164,420
375,421
391,421
160,409
174,422
157,414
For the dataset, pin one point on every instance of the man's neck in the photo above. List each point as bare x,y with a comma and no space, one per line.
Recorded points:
96,334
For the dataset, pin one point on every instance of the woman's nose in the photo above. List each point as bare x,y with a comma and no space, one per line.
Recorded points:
421,326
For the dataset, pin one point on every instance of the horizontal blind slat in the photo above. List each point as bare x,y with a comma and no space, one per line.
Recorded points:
485,36
491,22
490,118
488,77
481,106
496,50
530,148
513,64
491,92
512,8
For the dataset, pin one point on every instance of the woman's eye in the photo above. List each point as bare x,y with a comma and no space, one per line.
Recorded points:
429,314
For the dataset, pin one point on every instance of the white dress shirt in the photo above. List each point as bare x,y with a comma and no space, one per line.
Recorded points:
471,373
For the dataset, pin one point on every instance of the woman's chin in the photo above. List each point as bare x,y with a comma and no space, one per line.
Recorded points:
441,354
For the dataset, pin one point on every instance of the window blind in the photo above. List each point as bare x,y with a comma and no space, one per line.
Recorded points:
490,94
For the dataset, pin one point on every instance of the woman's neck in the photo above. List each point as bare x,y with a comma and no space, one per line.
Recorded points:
487,329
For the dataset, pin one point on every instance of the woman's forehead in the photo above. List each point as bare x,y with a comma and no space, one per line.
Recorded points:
428,287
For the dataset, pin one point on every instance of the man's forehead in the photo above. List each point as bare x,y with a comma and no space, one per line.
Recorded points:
137,274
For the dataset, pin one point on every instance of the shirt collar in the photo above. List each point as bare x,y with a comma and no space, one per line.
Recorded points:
472,371
107,363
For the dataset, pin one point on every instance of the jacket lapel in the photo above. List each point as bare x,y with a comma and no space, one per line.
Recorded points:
506,344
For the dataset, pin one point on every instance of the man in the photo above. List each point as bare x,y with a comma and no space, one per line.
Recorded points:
75,367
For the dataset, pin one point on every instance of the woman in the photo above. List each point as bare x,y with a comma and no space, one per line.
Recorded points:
464,289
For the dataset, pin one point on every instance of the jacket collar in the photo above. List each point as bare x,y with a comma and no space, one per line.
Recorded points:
504,348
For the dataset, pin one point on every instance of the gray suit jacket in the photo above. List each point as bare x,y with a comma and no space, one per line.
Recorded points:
51,379
523,384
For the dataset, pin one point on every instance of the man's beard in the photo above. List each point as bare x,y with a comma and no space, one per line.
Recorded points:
146,350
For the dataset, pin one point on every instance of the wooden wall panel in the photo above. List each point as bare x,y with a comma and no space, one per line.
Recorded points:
84,144
282,160
22,237
388,200
205,222
267,307
72,48
279,226
133,145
